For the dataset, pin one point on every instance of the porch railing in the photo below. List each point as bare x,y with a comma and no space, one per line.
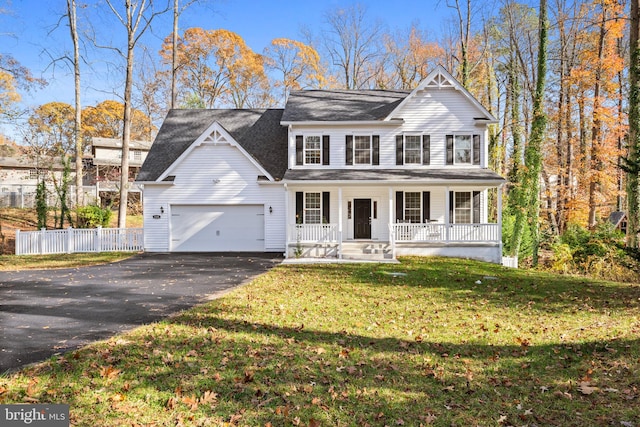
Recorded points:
445,232
317,233
73,240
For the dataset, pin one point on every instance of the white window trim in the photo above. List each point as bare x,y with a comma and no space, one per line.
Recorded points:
353,152
304,149
404,148
404,202
305,209
455,162
455,208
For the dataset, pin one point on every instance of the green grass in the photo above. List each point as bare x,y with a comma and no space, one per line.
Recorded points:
38,262
351,345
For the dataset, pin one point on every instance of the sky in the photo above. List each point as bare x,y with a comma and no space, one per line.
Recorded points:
35,33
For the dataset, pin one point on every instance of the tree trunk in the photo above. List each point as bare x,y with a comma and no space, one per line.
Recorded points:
633,158
174,55
77,127
596,130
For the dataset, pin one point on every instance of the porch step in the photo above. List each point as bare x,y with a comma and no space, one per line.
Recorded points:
366,250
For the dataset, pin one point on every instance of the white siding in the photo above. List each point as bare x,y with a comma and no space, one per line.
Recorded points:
435,112
213,174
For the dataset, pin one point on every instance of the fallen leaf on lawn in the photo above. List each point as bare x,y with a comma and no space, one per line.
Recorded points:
208,397
400,422
191,402
320,350
314,423
429,419
586,388
502,419
2,390
109,372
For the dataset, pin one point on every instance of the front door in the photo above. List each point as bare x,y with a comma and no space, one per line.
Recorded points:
362,219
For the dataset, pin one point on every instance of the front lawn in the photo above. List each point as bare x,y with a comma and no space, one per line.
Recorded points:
452,342
40,262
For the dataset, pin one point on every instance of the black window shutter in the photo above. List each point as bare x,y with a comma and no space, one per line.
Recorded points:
399,206
476,149
299,207
426,206
426,149
399,150
451,207
299,150
476,207
375,142
325,149
325,208
449,149
349,150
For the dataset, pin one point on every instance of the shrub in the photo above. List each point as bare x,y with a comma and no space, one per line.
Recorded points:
93,216
599,253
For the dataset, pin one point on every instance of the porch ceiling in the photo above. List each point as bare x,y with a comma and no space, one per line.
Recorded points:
429,176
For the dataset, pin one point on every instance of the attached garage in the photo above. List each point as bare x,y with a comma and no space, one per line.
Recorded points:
217,228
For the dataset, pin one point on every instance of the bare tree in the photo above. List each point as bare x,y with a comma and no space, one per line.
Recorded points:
136,19
352,44
77,128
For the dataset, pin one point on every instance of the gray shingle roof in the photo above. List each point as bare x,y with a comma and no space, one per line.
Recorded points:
258,131
449,175
341,105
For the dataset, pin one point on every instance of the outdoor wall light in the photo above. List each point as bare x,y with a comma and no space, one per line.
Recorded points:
161,209
270,210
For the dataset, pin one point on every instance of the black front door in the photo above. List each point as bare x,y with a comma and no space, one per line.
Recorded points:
362,218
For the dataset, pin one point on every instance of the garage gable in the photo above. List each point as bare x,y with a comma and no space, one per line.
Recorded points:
215,135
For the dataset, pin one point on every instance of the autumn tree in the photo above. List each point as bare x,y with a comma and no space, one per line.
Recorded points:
632,160
411,57
218,68
14,77
105,120
298,63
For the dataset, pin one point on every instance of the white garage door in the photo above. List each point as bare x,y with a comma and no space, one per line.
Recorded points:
217,228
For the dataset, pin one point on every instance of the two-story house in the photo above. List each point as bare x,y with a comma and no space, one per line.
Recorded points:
341,174
102,166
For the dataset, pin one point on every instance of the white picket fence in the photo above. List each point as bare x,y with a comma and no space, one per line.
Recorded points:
72,240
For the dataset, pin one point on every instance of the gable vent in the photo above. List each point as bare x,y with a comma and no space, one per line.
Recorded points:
440,81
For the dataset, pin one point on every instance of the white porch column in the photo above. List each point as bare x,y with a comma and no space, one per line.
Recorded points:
286,221
447,210
500,216
390,225
339,222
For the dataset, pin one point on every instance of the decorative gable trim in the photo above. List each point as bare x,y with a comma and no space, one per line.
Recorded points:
214,135
440,78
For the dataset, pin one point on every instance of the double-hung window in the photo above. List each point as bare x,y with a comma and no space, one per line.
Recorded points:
412,207
463,149
312,208
413,149
362,150
312,149
464,207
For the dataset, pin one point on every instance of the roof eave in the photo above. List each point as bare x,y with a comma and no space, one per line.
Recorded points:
392,122
494,182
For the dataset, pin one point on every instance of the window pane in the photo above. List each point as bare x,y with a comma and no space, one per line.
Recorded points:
312,150
412,149
463,149
312,208
463,208
412,207
362,150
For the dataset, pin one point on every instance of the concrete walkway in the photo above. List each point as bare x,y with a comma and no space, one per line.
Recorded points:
44,312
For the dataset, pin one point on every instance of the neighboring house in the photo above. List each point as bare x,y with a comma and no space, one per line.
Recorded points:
102,167
345,174
19,177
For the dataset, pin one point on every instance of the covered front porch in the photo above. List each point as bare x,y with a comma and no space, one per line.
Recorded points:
372,222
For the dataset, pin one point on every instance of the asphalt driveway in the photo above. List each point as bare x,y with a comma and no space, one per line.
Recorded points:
44,312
